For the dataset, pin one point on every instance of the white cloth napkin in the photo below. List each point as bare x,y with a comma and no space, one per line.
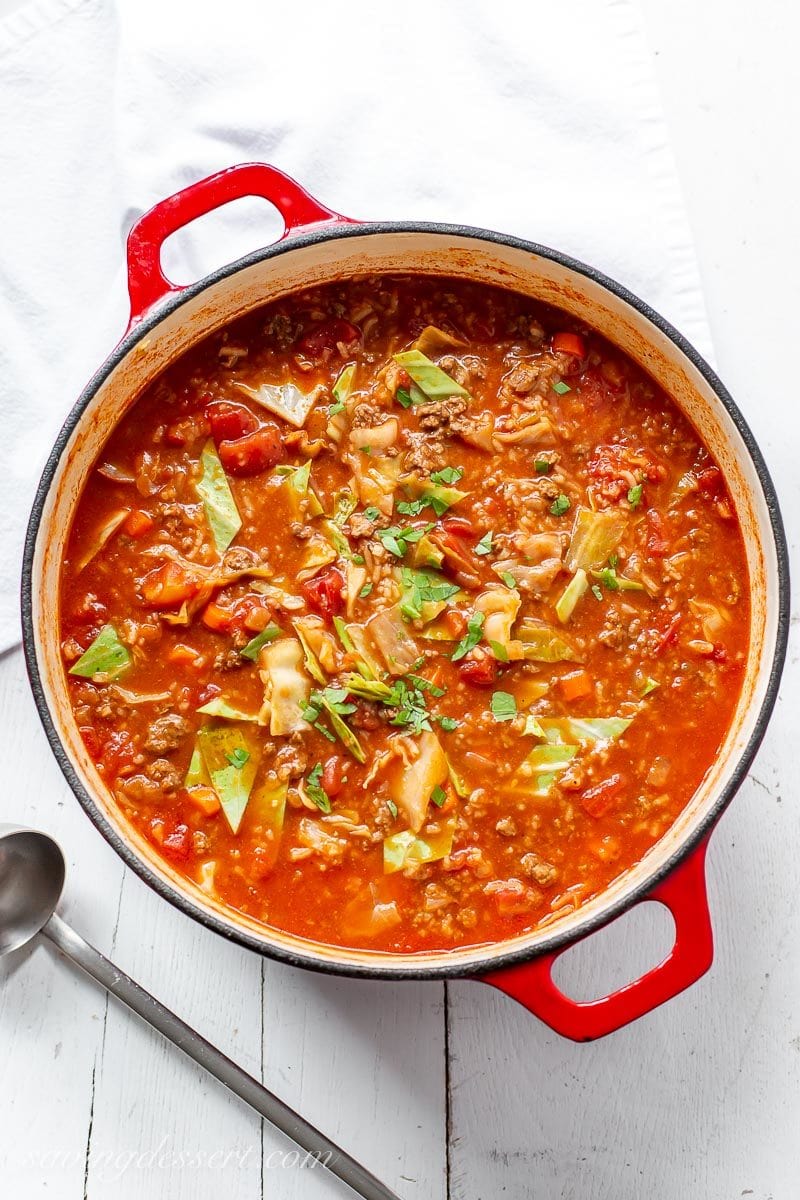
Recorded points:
535,118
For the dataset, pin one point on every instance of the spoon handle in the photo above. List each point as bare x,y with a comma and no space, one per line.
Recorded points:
215,1062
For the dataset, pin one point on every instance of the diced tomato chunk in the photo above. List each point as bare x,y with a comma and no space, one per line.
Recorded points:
512,897
323,593
167,586
479,668
253,453
91,740
669,634
321,341
180,433
569,343
230,421
117,754
455,623
458,527
657,543
178,844
600,799
709,481
333,775
137,523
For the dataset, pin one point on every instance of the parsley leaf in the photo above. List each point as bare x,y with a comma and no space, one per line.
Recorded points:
412,710
365,591
372,513
509,580
397,540
425,685
608,578
438,795
499,651
543,467
411,508
484,546
447,475
238,757
448,724
561,387
403,398
422,587
560,505
470,638
635,495
503,706
315,790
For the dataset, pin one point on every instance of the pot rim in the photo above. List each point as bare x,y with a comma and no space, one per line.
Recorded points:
558,940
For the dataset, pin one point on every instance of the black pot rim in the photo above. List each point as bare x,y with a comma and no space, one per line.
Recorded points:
514,956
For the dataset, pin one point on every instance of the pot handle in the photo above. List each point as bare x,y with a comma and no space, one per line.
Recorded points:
683,892
147,283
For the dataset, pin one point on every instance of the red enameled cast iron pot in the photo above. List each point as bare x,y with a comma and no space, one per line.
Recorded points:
318,246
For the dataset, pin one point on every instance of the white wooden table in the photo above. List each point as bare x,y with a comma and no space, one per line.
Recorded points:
455,1091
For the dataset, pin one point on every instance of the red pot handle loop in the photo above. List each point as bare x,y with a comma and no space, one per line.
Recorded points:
683,892
147,283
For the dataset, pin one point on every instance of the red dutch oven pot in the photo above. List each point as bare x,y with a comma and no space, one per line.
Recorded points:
318,246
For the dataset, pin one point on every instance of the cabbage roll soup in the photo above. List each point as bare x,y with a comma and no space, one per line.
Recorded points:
404,614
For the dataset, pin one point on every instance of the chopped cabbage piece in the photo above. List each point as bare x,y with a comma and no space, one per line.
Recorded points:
285,400
231,755
411,786
215,492
286,687
429,378
405,849
595,536
105,659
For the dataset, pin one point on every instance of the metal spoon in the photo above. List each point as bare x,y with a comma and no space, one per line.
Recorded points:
32,873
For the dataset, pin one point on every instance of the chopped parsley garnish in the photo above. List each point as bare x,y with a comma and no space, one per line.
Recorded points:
509,580
411,508
403,398
561,387
560,505
422,587
358,559
448,724
470,638
392,807
438,795
372,513
365,449
484,546
447,476
635,495
314,789
268,634
425,685
542,466
365,591
397,540
608,578
238,757
503,706
499,651
412,709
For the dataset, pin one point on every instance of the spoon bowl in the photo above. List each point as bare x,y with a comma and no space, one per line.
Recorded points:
32,873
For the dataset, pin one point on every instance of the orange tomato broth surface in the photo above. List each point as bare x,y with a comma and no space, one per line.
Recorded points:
457,798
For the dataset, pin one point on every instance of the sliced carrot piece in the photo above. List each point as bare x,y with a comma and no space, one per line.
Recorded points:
575,685
137,523
182,654
205,799
569,343
218,618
